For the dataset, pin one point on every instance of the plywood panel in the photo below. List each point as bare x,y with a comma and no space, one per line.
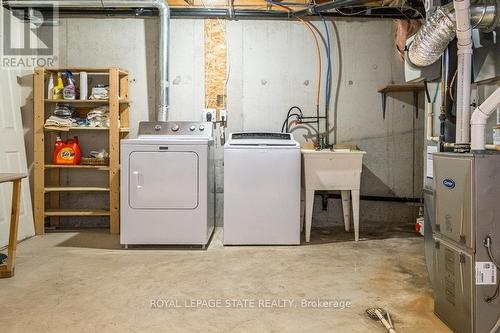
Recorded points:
215,63
186,71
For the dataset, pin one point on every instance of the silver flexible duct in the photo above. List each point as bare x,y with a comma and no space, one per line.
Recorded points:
439,30
432,38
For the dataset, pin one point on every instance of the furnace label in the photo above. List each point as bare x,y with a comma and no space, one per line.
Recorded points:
486,273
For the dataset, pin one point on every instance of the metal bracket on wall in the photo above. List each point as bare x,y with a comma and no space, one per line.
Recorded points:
415,88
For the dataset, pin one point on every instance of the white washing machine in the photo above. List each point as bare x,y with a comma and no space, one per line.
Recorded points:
168,184
261,189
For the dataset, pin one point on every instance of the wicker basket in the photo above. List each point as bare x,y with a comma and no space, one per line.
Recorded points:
94,161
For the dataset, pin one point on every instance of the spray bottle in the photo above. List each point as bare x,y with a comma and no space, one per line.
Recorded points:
69,91
57,91
50,86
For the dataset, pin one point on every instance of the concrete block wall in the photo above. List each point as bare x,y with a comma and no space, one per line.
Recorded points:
273,67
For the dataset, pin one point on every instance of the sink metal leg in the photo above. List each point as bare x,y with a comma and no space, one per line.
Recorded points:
309,213
346,208
355,212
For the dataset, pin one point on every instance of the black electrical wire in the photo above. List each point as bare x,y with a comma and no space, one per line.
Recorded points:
487,243
293,108
285,123
491,298
299,116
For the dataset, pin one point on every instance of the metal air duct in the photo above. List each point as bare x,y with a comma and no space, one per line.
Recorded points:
164,16
439,30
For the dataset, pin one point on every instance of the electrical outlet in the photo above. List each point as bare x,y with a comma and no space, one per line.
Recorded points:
223,115
208,115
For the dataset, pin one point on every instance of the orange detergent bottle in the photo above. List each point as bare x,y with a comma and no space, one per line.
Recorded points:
66,152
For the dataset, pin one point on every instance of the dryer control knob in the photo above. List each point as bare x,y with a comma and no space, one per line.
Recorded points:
157,127
192,128
202,128
175,128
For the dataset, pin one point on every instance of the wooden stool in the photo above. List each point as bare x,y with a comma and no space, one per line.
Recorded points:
7,271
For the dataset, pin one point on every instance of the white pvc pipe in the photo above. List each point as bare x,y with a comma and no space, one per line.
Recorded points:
430,123
463,95
464,43
480,117
491,147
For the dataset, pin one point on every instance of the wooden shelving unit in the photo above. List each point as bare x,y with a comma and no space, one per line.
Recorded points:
46,171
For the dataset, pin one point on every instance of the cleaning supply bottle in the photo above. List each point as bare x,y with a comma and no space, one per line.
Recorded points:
69,91
57,91
50,86
67,152
57,147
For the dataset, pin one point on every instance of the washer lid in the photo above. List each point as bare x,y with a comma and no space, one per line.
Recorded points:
270,139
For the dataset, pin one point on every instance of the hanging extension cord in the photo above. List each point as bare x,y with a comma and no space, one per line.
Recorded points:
487,244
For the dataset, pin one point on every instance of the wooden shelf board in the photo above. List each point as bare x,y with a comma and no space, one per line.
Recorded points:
75,189
76,212
85,101
82,128
92,70
401,88
77,101
96,167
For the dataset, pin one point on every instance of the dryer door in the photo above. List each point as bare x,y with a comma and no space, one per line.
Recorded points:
163,180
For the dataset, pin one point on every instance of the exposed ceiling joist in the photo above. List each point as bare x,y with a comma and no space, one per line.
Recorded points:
248,9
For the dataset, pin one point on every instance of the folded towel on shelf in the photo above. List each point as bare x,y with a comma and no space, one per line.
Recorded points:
99,117
63,110
59,123
100,92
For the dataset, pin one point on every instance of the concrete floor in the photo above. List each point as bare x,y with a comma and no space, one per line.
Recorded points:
84,282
